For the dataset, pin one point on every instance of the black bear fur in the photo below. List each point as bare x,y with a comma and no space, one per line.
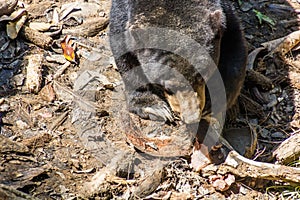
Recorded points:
211,23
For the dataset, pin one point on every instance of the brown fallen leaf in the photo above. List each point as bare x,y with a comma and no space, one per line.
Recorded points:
68,47
13,27
289,42
40,26
47,93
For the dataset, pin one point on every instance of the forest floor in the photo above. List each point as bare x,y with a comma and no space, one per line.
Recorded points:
62,133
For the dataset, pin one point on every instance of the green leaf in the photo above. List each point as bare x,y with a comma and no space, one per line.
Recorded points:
261,17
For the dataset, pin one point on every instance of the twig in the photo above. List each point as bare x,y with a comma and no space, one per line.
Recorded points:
61,70
56,123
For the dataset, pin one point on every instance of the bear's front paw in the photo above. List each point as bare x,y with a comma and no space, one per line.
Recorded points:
150,106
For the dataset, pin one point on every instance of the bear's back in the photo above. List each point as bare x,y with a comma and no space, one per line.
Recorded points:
189,17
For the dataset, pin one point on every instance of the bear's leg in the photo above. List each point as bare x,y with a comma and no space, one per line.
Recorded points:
144,98
233,57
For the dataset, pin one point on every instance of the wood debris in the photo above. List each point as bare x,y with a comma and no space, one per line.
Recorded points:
289,150
34,72
40,39
243,167
7,7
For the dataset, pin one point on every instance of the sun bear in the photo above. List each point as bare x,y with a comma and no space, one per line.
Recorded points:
168,51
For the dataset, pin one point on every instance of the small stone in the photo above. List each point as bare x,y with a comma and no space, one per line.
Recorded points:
246,6
19,79
278,135
4,107
21,125
265,133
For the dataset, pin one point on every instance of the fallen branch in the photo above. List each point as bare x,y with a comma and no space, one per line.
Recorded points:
40,39
8,192
243,167
288,150
90,28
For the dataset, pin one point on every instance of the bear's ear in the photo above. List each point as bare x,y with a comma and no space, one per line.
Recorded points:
217,21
